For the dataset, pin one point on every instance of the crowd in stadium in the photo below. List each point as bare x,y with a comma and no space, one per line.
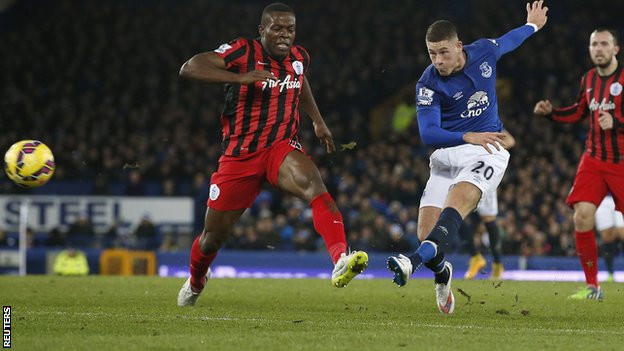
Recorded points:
100,86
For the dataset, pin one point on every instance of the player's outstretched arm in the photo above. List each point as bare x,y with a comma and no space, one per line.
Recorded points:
536,19
308,105
208,67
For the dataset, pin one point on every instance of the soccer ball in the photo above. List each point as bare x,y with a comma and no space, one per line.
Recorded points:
29,163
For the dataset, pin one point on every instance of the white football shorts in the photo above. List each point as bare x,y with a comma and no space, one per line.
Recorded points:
463,163
606,215
488,205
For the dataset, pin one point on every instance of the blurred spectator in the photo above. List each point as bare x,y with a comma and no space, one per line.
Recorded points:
237,240
411,234
285,231
71,262
168,244
397,241
169,187
100,185
265,228
304,238
118,234
81,233
404,114
146,234
4,241
55,238
135,185
30,238
253,241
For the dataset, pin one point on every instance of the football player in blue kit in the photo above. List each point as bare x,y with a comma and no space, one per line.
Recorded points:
458,115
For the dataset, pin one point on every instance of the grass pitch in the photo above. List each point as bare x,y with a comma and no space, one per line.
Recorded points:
140,313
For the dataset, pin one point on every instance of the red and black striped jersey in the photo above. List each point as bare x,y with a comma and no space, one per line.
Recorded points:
255,116
599,94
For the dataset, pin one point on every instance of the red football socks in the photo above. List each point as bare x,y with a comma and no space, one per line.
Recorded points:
199,266
329,224
587,251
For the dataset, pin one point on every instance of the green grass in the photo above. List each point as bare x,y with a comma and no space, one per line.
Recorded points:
140,313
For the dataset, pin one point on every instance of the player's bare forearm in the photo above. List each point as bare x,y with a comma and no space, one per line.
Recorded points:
307,103
209,68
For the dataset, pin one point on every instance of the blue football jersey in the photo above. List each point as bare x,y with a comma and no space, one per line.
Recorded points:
448,107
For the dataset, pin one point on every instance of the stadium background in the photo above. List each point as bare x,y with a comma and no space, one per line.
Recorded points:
98,82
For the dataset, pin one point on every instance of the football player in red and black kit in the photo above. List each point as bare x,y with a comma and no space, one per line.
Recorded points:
265,87
601,169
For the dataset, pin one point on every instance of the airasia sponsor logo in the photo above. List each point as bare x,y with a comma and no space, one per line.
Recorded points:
604,105
287,83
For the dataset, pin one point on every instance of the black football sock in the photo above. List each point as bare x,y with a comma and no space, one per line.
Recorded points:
446,226
466,233
610,251
436,265
494,234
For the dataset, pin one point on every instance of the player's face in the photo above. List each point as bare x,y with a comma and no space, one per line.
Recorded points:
445,55
277,33
602,48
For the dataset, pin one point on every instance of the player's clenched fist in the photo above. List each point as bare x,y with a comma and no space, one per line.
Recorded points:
605,120
543,108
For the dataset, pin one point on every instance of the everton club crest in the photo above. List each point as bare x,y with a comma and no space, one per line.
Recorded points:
486,70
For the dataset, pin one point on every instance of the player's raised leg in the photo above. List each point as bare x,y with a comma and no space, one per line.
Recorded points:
298,175
401,265
462,199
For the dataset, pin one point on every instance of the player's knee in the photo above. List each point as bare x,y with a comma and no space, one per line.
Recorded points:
311,186
210,242
583,219
608,235
214,236
488,219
